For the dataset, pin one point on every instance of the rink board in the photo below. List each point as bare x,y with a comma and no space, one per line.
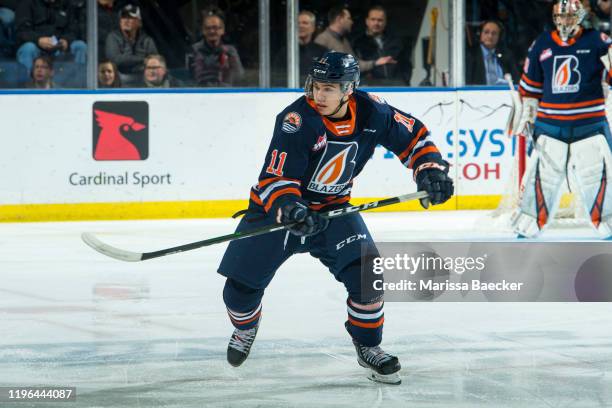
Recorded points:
201,152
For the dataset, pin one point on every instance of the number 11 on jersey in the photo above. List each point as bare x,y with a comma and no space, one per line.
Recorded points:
281,162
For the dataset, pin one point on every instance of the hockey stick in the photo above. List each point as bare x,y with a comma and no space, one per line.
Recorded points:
130,256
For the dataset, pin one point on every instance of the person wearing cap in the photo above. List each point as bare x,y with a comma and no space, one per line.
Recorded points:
129,45
47,27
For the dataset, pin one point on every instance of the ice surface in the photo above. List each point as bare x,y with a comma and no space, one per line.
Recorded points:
154,333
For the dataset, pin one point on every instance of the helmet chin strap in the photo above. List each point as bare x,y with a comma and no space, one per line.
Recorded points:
343,102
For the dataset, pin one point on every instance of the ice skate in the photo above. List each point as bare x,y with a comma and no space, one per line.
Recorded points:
383,366
240,345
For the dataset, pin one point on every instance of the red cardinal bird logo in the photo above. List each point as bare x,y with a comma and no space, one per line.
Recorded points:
112,145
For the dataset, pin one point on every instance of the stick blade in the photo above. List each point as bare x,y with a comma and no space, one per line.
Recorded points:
109,250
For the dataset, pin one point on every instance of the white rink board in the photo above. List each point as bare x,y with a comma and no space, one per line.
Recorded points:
211,146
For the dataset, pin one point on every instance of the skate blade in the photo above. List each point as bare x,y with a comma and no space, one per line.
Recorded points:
393,379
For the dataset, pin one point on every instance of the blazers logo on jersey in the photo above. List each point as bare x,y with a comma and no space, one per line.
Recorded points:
335,169
566,77
292,122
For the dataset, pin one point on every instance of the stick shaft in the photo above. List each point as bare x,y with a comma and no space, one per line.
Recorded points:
276,227
130,256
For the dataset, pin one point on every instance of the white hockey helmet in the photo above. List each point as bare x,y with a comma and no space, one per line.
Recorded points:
567,16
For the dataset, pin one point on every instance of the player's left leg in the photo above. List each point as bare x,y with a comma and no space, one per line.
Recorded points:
340,249
541,187
590,168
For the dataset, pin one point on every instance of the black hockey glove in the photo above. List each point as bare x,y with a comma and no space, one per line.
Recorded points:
433,178
309,222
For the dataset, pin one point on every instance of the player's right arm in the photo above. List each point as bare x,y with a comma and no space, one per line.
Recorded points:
530,87
285,162
278,190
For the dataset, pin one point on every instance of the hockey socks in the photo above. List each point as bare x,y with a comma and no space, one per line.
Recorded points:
245,320
365,326
243,337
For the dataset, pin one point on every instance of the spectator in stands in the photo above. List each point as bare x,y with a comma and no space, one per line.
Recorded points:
335,38
385,49
156,73
309,50
107,23
7,25
129,45
108,75
335,35
42,73
47,27
486,62
215,63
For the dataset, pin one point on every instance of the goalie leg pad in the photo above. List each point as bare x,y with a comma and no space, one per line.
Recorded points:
590,169
541,188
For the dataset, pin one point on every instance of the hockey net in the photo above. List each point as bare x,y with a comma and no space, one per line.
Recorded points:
570,213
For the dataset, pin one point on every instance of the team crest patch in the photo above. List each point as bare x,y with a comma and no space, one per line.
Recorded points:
321,142
292,122
547,53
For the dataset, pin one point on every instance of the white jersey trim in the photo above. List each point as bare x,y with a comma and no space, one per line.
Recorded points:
595,108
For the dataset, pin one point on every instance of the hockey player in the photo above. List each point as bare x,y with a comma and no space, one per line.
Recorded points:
321,142
561,91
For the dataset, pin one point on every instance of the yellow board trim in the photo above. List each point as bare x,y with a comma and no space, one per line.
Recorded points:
193,209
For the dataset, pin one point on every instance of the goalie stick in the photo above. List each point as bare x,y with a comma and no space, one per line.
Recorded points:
517,110
129,256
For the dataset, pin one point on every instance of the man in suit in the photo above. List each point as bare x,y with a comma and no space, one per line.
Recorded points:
487,63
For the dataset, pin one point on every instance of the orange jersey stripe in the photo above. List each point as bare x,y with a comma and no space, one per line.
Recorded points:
256,198
406,152
530,82
267,181
573,117
276,194
374,325
428,149
527,94
572,105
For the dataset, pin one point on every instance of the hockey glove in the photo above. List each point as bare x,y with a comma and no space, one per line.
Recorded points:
309,222
528,115
433,178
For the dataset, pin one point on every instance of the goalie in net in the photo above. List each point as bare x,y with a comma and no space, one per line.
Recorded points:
562,100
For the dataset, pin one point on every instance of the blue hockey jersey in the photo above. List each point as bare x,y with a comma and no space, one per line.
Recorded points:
566,77
315,158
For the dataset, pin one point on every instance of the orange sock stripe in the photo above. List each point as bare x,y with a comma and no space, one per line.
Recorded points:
241,322
373,325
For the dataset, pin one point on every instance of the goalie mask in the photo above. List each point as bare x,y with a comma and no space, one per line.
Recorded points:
567,16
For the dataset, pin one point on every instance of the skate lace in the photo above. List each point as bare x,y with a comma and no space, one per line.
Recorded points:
375,355
242,339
